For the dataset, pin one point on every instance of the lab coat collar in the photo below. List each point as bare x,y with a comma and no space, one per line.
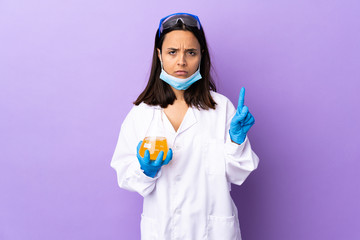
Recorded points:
188,121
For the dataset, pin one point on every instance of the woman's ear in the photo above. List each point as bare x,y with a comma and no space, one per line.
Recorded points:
159,54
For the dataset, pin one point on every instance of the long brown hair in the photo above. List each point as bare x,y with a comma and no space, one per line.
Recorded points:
158,92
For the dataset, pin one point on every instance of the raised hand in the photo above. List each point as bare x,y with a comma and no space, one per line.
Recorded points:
242,121
151,168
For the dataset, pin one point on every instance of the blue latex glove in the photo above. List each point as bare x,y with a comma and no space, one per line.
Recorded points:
151,168
242,121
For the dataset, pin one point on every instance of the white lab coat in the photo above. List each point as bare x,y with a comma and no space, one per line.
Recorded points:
190,197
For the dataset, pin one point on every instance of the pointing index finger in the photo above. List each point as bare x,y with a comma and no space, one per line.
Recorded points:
241,99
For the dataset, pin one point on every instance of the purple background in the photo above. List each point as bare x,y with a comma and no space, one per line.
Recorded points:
69,71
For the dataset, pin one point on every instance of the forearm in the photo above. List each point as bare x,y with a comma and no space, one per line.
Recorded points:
240,161
131,177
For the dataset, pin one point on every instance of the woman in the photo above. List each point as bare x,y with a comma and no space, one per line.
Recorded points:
186,196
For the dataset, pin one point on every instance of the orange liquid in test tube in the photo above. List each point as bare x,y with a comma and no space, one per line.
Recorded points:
154,145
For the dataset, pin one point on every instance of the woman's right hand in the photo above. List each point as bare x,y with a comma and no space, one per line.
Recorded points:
151,168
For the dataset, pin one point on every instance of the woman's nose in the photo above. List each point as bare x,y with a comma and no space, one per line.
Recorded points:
181,60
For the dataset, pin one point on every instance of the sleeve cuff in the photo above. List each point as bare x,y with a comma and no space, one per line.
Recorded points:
232,147
142,177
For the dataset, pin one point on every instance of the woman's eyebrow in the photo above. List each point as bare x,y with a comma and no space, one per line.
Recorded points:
188,49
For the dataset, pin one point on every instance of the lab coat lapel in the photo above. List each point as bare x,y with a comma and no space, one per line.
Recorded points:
188,121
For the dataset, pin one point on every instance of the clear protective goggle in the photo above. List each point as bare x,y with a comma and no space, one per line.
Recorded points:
171,20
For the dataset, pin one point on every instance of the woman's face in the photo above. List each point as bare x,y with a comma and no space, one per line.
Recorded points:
180,53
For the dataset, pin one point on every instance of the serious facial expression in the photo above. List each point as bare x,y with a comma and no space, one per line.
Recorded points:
180,53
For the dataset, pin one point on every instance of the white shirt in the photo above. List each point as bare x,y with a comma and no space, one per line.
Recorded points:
190,197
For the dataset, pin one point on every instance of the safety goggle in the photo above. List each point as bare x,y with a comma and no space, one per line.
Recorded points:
171,20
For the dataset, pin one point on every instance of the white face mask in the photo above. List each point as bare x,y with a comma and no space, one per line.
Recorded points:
179,83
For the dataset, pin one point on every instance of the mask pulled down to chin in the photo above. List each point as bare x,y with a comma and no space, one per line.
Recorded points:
179,83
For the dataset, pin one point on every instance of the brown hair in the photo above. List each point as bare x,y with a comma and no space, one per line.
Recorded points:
158,92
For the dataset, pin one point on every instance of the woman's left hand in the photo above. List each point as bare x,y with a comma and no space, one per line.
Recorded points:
242,121
149,167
